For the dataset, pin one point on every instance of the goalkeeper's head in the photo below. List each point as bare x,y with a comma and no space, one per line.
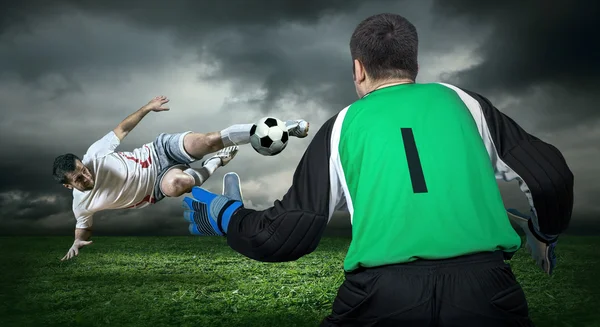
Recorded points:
384,50
72,174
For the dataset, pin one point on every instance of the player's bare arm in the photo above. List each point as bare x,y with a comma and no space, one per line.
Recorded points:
82,236
129,123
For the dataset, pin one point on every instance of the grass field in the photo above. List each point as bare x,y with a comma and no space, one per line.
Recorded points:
189,281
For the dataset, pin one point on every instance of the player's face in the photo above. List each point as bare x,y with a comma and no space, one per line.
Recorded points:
81,178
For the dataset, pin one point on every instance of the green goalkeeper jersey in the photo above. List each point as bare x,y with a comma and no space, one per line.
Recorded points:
418,178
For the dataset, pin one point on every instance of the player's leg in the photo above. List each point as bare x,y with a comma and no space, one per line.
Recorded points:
179,180
182,149
198,145
222,158
175,182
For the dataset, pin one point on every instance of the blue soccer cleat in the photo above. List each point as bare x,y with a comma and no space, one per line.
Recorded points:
542,251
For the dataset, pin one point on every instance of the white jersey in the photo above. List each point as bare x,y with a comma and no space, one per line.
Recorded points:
123,180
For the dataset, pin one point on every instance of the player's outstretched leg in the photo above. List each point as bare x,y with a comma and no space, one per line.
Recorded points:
240,134
221,158
198,145
541,250
177,182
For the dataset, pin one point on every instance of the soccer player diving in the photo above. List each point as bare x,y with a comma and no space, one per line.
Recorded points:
106,180
416,165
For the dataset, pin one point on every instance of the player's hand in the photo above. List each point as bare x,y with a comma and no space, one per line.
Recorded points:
74,250
157,104
209,213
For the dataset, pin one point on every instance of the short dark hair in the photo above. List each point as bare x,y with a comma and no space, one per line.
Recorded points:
63,165
387,45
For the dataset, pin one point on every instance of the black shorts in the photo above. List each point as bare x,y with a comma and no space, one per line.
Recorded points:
477,290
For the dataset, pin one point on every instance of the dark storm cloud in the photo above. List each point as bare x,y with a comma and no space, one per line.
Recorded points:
547,46
24,206
272,45
193,22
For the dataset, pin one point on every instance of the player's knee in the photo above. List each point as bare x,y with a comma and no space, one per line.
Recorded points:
175,185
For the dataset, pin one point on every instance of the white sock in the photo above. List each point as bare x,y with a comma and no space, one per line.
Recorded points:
202,174
236,134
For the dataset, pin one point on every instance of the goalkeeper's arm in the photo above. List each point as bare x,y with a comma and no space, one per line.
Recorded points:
539,167
293,226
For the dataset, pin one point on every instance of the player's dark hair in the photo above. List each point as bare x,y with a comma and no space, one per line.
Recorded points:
63,165
387,45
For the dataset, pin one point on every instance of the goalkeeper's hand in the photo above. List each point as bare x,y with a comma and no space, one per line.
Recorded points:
542,251
209,213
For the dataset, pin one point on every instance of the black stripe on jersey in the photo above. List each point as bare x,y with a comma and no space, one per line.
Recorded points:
414,162
540,165
293,226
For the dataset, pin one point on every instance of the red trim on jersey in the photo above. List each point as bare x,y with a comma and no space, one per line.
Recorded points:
147,198
145,164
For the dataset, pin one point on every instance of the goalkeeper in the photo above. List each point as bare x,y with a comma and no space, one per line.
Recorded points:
416,167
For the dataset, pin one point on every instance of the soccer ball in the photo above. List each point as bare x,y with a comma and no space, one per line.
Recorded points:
269,136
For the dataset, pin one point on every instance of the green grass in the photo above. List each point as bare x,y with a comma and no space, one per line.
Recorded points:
190,281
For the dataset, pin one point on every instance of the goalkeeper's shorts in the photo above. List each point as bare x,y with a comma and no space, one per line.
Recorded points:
475,290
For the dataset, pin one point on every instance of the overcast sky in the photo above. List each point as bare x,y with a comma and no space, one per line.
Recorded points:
70,71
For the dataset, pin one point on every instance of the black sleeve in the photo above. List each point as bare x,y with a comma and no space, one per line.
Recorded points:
293,226
539,167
